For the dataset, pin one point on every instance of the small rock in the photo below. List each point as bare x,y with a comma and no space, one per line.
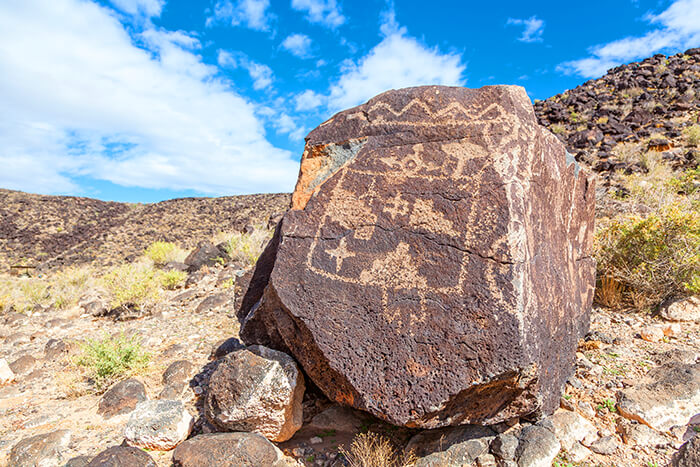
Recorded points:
460,445
486,460
45,450
225,347
578,452
339,418
672,330
122,398
537,447
6,374
587,409
605,446
687,309
56,349
205,254
159,425
688,455
652,333
571,428
122,456
23,365
171,391
228,449
257,389
178,372
567,404
669,395
213,302
315,440
80,461
504,446
638,434
17,338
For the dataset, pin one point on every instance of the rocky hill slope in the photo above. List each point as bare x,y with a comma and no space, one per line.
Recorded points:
609,123
53,231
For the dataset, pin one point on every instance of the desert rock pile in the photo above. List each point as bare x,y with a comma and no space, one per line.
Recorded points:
435,267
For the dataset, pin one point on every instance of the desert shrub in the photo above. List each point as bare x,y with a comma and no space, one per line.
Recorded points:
374,450
110,357
69,284
628,153
558,129
650,258
172,279
246,247
164,252
33,292
132,284
692,135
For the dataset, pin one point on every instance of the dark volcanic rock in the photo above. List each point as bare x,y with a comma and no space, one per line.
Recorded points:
43,449
688,455
227,450
122,456
435,267
122,398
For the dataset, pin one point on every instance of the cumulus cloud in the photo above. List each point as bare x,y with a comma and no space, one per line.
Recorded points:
298,45
261,74
398,61
325,12
533,27
308,100
81,100
146,8
676,28
250,13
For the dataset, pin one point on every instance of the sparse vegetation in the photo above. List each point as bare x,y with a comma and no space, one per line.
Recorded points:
651,258
692,135
558,129
111,357
132,285
374,450
607,404
246,247
164,252
172,279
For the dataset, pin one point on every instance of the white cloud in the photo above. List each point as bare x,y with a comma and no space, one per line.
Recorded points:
79,99
397,61
250,13
308,100
533,27
298,45
325,12
678,29
261,74
147,8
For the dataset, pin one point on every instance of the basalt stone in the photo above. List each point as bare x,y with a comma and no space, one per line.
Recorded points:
122,398
435,268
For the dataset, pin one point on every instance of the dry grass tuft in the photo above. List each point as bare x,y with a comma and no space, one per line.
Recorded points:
608,292
245,248
374,450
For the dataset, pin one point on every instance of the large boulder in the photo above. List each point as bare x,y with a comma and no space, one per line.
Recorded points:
435,268
259,390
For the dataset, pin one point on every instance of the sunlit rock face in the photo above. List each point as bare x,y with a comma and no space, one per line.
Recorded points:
435,268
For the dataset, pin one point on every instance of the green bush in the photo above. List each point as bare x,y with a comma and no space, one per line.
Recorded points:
247,247
692,135
164,252
132,284
172,279
651,258
110,357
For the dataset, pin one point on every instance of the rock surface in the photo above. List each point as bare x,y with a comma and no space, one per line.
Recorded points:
537,447
687,309
688,455
259,390
6,374
451,446
122,398
45,450
669,396
122,456
228,450
418,249
158,425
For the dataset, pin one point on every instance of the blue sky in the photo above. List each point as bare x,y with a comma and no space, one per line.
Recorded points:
144,100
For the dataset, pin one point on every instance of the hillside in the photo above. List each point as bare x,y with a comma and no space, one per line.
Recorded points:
613,124
52,231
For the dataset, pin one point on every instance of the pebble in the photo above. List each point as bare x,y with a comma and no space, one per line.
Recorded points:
316,440
652,333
